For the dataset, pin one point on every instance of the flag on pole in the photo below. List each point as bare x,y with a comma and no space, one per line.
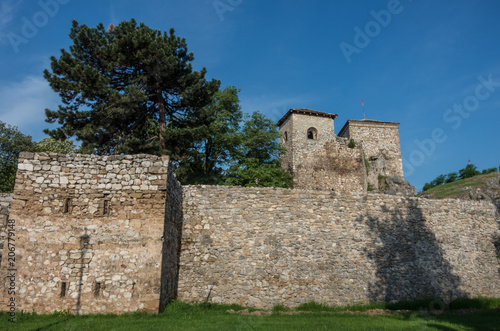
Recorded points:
362,103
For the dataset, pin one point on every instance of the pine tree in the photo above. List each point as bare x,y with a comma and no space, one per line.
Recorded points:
127,89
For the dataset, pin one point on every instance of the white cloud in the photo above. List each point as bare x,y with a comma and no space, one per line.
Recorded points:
7,10
24,103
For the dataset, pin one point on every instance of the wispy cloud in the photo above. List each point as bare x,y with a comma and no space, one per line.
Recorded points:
24,103
7,11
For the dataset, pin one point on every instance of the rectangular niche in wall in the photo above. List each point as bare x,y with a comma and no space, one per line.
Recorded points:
105,207
97,290
63,290
67,205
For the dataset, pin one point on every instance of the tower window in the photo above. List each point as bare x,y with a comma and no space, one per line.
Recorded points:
312,133
285,137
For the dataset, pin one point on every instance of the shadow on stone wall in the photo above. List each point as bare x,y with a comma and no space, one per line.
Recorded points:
84,243
496,240
171,248
409,261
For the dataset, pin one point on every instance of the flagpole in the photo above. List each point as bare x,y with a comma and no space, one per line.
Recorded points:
363,105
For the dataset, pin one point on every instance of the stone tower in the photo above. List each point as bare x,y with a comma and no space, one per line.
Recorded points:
365,156
380,140
382,154
316,157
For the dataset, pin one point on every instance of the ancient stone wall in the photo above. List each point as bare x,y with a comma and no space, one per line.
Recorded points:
172,236
261,247
5,200
119,234
89,232
332,166
379,140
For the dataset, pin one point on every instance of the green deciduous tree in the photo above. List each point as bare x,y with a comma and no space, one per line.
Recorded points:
215,140
451,177
438,180
51,145
256,162
12,142
127,89
469,171
427,186
489,171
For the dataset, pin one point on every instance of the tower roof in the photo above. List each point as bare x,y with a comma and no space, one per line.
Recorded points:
305,111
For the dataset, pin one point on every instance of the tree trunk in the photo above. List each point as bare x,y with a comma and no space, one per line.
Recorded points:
162,118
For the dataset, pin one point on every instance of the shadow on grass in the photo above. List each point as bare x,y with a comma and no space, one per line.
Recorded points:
441,327
49,326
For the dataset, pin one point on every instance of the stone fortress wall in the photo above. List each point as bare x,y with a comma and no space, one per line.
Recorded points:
261,247
5,200
123,235
89,232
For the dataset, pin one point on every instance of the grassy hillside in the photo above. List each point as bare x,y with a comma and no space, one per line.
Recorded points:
479,187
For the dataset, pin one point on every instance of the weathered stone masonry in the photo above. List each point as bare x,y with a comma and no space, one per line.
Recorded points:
94,221
5,200
262,247
365,156
316,157
123,228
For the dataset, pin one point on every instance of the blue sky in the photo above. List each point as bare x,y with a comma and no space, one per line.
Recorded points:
433,66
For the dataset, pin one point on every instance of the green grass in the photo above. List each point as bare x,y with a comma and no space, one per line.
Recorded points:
414,305
455,189
310,316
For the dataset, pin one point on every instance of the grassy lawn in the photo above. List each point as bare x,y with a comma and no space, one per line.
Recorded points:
180,316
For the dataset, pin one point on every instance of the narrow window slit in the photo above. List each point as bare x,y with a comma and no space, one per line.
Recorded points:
67,205
105,207
97,289
63,290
